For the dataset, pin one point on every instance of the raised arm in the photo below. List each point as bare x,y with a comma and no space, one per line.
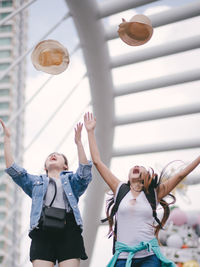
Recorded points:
7,146
166,187
109,178
81,152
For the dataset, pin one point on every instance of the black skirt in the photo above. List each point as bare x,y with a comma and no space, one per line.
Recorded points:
59,245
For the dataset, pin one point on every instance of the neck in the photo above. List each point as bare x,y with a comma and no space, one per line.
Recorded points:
135,193
54,173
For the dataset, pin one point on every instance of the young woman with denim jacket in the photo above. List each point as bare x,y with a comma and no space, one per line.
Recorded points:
136,244
65,246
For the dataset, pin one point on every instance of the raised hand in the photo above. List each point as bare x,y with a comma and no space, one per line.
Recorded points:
81,152
7,145
78,130
106,174
89,121
5,129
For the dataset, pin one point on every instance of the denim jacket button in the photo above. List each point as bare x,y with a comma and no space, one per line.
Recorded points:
75,206
70,194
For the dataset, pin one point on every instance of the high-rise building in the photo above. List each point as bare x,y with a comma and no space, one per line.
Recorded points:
12,46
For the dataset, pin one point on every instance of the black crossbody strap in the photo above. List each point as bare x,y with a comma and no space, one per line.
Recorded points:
123,190
52,181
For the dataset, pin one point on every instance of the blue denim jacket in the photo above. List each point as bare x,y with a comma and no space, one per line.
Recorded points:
74,185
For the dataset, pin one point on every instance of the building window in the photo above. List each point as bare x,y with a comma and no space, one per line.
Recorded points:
2,243
5,79
6,3
3,15
3,187
2,201
5,53
4,92
5,118
5,41
5,28
2,215
2,159
4,66
4,105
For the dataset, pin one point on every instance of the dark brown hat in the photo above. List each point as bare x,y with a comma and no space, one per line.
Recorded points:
137,31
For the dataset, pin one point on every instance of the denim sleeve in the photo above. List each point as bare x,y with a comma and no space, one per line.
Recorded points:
81,178
21,178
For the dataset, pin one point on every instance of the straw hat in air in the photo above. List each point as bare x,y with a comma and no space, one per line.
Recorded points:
50,56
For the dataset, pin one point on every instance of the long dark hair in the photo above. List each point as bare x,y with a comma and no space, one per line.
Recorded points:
150,180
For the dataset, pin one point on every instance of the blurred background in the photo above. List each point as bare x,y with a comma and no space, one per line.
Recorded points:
146,100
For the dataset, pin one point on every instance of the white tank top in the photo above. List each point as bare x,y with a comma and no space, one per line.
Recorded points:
134,222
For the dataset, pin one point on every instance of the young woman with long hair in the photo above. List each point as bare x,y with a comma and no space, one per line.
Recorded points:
136,236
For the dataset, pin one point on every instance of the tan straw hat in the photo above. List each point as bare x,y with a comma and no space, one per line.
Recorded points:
50,56
137,31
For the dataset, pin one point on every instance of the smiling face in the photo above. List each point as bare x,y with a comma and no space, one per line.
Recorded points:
56,161
137,175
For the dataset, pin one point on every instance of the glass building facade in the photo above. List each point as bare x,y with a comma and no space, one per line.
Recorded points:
12,45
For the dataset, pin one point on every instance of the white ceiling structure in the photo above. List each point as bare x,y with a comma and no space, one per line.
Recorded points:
139,94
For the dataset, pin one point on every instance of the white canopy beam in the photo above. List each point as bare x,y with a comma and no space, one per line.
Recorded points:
160,82
192,179
155,148
112,7
165,49
158,114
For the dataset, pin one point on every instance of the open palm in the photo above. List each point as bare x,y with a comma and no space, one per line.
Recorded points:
89,121
78,130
